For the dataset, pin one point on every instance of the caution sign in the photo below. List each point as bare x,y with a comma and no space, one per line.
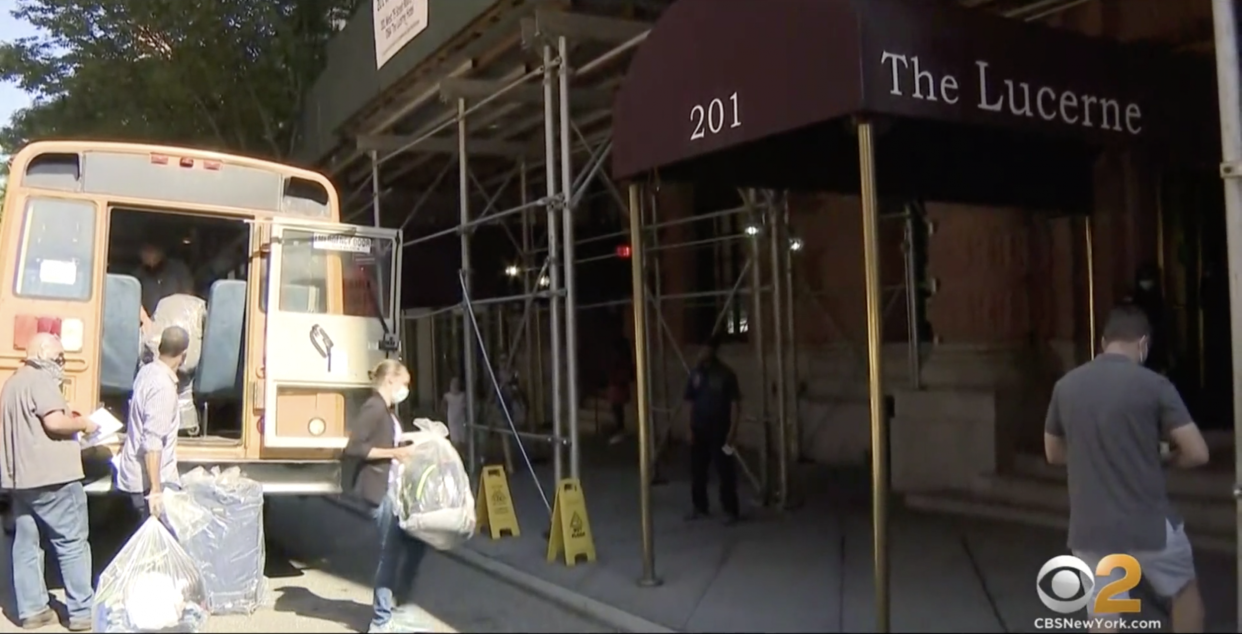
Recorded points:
494,505
571,529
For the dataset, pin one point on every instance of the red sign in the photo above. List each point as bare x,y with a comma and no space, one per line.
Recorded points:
624,251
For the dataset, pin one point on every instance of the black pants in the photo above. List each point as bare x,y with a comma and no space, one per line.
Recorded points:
708,448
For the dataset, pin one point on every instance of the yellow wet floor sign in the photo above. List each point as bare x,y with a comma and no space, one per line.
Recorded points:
571,529
494,504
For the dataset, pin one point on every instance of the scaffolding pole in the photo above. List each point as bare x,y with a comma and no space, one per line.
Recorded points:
554,265
567,235
761,354
467,355
375,188
776,236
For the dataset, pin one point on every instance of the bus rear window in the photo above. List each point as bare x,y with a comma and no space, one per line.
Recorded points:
57,255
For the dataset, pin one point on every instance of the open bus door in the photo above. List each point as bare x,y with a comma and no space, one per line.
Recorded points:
332,296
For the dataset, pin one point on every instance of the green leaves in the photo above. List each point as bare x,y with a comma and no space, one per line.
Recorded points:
219,74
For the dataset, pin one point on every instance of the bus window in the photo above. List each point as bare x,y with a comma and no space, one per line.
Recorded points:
310,261
57,251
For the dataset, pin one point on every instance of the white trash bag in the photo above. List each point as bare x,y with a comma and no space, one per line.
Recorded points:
432,499
152,585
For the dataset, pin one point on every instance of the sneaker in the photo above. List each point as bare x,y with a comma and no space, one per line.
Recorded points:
79,625
695,516
41,620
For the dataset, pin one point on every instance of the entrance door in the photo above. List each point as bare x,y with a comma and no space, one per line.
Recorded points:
331,301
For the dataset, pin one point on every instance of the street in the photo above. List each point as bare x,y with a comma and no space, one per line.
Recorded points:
319,559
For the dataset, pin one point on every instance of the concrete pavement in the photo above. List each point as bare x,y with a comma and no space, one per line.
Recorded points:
809,569
319,562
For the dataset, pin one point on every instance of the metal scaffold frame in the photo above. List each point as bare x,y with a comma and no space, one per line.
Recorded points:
548,271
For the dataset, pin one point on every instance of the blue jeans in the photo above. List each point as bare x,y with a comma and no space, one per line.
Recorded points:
61,511
399,558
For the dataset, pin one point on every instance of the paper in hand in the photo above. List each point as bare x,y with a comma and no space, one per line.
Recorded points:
109,427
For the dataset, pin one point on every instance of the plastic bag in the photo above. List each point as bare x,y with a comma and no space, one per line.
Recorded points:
432,498
218,518
186,311
152,585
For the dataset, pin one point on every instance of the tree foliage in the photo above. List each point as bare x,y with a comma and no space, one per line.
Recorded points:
222,74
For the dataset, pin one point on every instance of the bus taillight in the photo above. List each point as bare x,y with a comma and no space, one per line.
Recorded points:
187,162
159,159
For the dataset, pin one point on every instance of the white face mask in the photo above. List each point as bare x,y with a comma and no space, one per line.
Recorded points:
400,394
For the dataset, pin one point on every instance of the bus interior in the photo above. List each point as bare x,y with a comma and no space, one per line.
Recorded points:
216,250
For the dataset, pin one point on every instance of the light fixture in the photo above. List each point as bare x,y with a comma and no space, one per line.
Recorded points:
795,244
752,230
317,426
545,281
511,270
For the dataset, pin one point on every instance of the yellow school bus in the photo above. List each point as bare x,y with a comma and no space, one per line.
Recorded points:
298,306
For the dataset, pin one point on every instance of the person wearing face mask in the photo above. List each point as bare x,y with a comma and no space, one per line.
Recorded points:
41,466
1106,423
147,463
714,401
1148,296
369,462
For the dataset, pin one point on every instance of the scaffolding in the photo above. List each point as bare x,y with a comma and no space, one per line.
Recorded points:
764,284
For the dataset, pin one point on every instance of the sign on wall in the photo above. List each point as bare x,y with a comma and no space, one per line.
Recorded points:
396,23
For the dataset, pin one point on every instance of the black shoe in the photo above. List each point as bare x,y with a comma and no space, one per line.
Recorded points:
695,516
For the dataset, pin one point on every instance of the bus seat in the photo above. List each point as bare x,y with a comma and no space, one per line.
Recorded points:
219,370
121,341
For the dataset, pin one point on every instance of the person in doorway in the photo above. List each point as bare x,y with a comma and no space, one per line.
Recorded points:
455,412
1148,296
1106,422
619,377
714,400
41,467
371,457
147,463
160,276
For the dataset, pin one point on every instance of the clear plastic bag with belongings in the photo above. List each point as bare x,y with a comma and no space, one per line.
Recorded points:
432,498
186,311
217,516
152,585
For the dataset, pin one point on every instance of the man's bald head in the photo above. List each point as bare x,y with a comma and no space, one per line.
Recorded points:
45,347
174,341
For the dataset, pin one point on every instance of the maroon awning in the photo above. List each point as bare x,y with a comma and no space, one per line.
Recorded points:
718,74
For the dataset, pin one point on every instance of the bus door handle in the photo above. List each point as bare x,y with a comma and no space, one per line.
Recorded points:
322,342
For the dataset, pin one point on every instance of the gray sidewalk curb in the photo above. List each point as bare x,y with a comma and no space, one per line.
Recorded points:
605,614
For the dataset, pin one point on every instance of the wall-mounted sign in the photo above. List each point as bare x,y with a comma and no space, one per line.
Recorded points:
396,23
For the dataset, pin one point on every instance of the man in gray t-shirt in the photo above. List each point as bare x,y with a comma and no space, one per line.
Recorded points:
1106,423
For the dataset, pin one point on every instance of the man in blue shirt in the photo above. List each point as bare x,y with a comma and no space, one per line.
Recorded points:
714,401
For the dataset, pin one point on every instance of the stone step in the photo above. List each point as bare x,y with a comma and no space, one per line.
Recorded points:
1211,484
988,507
1202,514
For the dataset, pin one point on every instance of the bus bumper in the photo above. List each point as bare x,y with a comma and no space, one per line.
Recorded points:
322,477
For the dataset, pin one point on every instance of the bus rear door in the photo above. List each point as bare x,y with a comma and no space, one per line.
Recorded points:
332,295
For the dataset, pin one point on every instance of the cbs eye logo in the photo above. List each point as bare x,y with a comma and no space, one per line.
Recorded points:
1066,584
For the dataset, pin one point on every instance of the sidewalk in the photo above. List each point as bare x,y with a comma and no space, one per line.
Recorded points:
805,570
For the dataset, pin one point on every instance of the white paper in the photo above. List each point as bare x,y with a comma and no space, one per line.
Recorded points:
58,272
109,427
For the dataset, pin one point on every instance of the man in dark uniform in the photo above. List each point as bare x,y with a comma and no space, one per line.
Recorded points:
160,276
714,400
